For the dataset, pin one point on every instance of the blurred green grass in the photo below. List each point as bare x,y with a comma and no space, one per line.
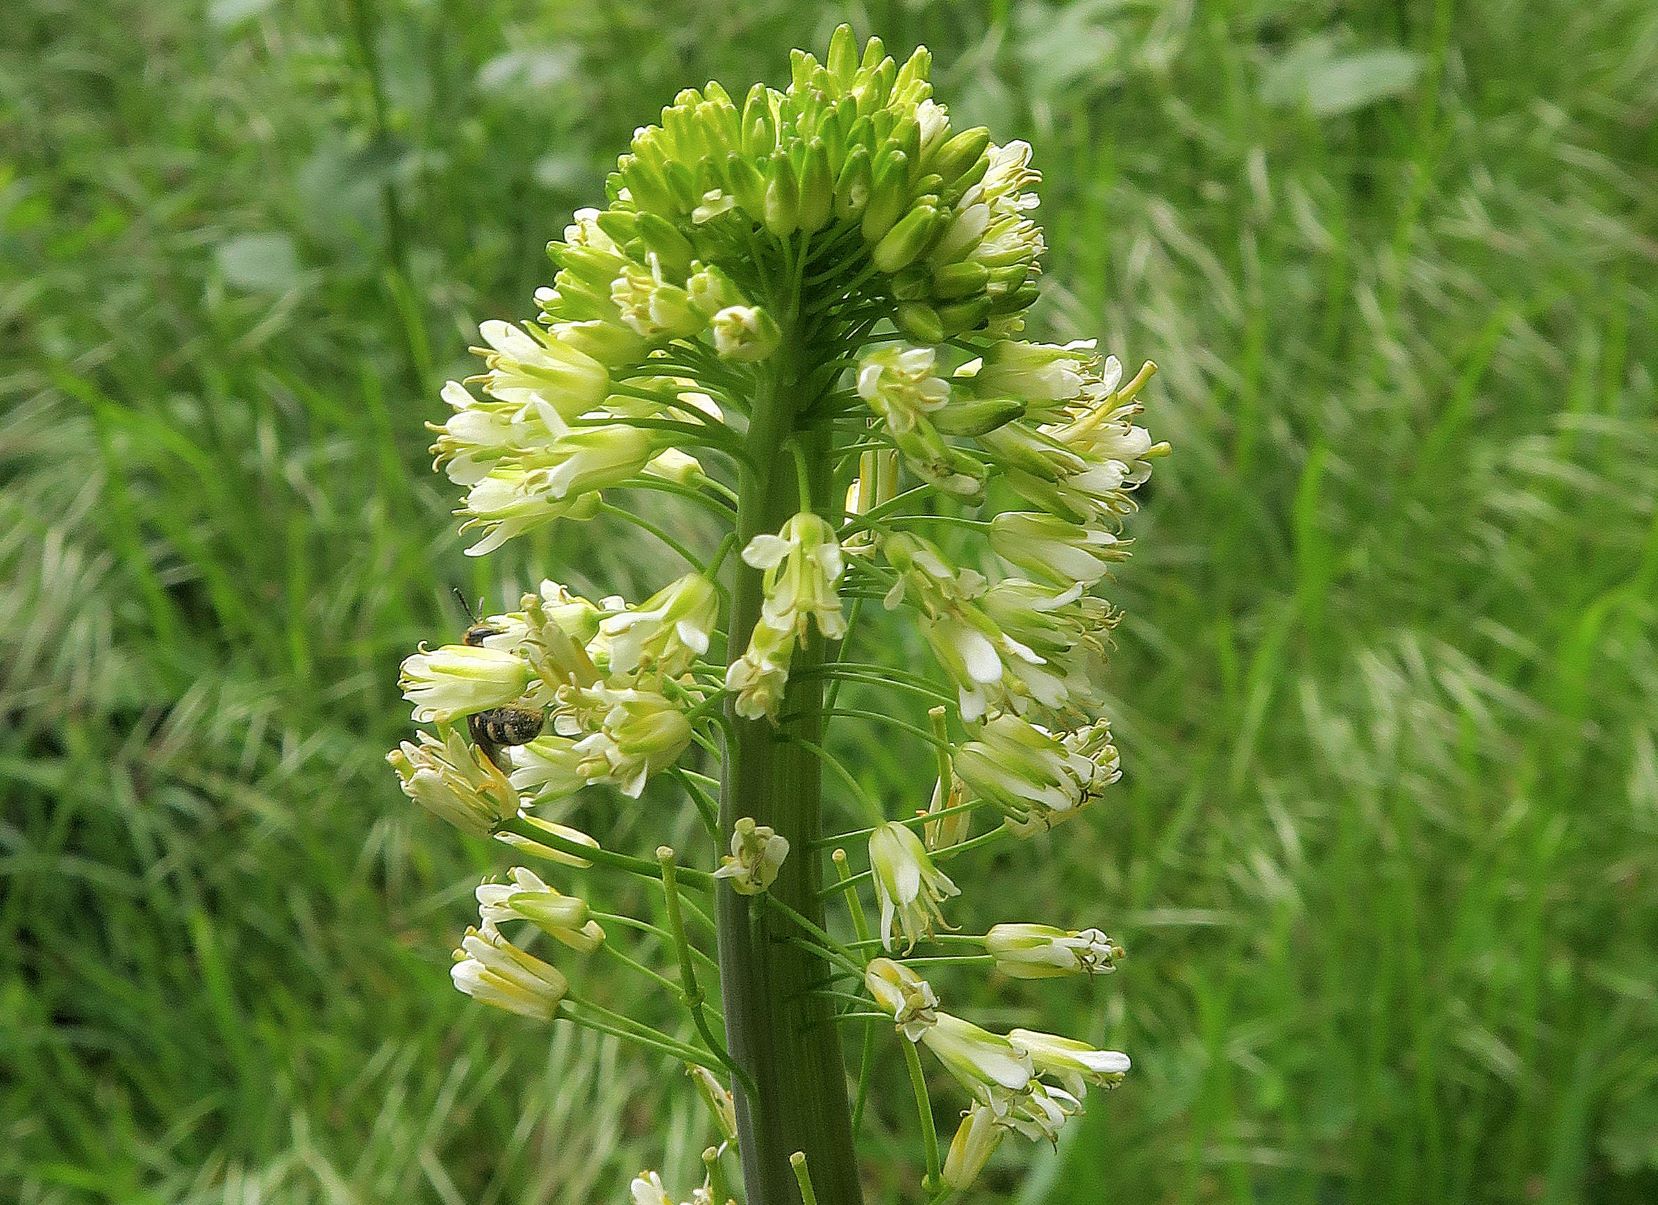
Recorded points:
1384,856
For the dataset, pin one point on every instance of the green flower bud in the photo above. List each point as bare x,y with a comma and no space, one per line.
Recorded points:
852,188
960,280
782,209
958,154
920,321
887,195
977,416
907,240
817,191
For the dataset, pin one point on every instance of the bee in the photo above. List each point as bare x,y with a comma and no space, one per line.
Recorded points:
499,727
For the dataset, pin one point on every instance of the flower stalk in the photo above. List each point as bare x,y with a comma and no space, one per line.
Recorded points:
776,1028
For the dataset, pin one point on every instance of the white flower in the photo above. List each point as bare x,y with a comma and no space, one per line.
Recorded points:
1073,1063
904,994
529,367
668,631
1053,549
1024,770
527,897
511,500
481,433
547,769
757,853
802,565
492,970
989,667
459,680
907,885
759,677
647,1190
1035,372
587,459
1040,1112
976,1140
654,307
1028,951
744,333
623,735
900,385
455,781
990,1067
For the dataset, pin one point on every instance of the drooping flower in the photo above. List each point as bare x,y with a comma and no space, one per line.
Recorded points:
759,677
454,781
990,669
908,887
667,631
991,1068
548,768
1024,770
531,367
492,970
976,1140
1054,549
624,735
900,385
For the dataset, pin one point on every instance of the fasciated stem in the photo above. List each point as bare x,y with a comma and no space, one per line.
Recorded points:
781,1033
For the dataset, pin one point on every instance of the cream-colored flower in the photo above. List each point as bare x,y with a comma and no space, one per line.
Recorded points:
458,680
455,782
527,897
667,632
745,333
757,853
1073,1063
492,970
904,994
1054,549
624,735
760,676
802,567
976,1140
1029,951
529,368
908,887
989,1066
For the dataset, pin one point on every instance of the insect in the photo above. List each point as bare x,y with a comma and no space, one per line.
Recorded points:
499,727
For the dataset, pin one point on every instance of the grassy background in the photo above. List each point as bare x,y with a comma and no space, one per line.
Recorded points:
1384,857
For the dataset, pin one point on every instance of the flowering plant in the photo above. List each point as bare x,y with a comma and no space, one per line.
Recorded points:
801,313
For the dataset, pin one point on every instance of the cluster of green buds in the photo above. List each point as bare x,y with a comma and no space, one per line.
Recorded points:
802,315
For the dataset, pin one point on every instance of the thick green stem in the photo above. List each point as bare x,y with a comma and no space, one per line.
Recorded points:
780,1032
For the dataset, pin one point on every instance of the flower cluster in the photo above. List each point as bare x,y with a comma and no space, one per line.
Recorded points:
803,313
